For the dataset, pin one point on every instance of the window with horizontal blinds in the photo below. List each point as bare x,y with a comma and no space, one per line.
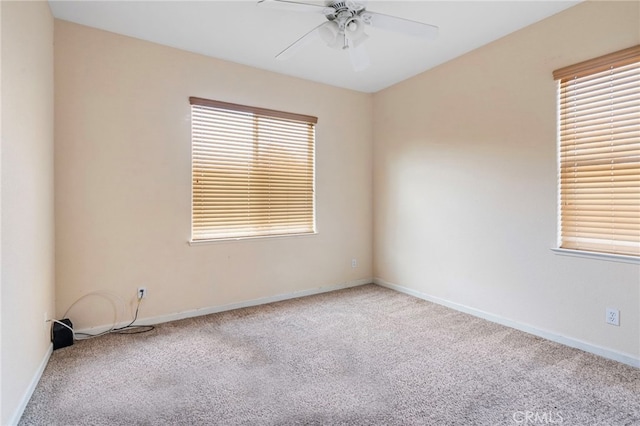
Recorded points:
252,171
599,154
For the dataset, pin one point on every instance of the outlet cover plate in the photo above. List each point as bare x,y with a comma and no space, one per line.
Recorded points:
613,316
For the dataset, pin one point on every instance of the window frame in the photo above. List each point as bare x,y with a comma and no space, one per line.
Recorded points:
262,119
590,69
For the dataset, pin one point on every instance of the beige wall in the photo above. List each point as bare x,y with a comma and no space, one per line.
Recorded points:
27,275
122,180
465,183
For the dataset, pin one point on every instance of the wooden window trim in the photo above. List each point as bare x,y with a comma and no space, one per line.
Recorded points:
253,110
601,63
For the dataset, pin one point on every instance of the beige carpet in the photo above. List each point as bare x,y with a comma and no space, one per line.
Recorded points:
361,356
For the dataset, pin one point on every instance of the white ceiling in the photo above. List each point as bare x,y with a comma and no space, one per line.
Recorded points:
242,32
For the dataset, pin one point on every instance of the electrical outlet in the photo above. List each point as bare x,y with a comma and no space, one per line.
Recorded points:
142,292
613,316
354,263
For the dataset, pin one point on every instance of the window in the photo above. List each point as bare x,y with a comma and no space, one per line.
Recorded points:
599,154
252,171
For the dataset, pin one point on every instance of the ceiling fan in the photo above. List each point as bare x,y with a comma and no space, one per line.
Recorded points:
344,28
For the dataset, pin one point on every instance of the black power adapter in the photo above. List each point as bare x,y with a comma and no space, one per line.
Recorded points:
62,336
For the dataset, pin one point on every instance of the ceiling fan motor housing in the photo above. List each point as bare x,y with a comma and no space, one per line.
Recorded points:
338,7
343,11
346,20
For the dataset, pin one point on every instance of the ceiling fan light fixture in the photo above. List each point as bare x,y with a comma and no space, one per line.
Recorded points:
354,31
330,34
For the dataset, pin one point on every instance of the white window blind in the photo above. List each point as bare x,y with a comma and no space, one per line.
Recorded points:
252,171
599,154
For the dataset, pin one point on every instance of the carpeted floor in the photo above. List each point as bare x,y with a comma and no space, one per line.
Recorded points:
360,356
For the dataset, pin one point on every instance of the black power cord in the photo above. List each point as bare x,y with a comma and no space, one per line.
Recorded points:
127,329
134,329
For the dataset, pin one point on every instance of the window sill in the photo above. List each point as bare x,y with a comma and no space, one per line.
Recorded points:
598,256
239,239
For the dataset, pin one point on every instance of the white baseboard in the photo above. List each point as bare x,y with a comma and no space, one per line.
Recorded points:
231,306
17,414
545,334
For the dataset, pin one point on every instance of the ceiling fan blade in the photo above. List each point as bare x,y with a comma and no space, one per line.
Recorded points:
359,58
293,6
400,25
303,41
